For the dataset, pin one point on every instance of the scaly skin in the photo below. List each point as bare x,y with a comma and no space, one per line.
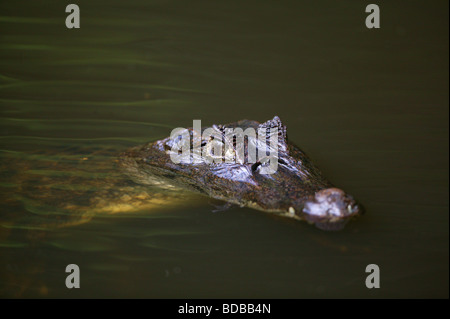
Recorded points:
297,189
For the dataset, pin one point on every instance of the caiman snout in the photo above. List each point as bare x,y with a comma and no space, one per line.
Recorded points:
330,209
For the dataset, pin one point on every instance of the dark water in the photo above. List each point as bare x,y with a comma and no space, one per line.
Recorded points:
369,106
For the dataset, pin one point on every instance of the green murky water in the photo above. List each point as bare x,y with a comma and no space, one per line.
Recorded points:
369,106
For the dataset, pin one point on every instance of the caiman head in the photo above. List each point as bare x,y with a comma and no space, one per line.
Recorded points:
296,188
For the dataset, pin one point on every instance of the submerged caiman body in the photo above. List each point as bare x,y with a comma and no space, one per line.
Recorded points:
297,188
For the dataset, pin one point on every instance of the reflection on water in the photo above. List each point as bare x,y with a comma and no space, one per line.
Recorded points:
370,107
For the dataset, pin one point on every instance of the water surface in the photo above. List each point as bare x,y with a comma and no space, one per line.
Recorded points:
369,106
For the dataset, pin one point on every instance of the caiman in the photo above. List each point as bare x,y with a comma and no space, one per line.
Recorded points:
297,189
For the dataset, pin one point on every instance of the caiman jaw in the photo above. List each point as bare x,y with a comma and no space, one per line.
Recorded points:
330,209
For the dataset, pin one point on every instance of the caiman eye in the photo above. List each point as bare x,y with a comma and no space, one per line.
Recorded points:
255,166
